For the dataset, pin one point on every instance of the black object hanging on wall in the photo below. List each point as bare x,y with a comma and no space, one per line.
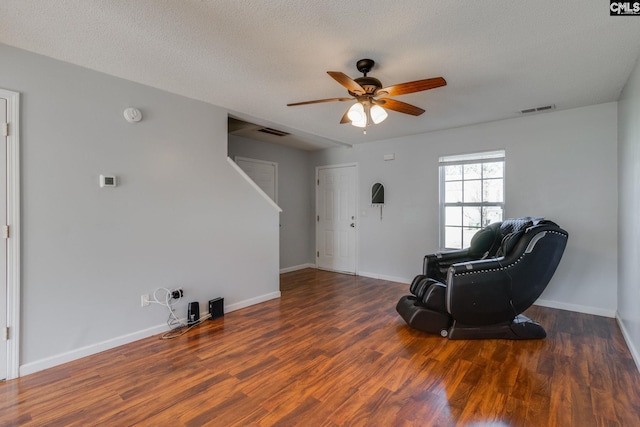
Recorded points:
377,196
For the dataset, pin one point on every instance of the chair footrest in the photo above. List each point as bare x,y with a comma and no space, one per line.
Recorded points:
422,318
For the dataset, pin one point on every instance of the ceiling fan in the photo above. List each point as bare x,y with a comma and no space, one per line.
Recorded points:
372,99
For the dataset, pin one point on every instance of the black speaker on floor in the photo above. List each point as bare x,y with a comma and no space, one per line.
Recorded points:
193,313
216,308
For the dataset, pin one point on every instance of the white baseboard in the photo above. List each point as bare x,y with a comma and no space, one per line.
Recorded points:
632,349
385,277
59,359
296,268
577,308
252,301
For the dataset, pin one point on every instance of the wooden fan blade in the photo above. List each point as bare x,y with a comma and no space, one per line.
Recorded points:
348,82
345,118
411,87
399,106
318,101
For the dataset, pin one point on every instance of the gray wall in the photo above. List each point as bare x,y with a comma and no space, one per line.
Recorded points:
629,212
297,203
561,165
89,253
183,217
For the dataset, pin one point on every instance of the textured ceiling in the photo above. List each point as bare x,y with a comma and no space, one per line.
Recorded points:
253,57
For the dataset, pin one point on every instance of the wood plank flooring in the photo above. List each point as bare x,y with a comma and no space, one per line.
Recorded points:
333,352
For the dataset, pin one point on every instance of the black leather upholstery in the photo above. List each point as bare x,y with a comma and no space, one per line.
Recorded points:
481,291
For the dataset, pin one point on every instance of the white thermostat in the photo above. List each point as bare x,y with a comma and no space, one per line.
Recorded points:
108,181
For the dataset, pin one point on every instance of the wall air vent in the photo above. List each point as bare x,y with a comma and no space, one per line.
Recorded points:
539,109
273,132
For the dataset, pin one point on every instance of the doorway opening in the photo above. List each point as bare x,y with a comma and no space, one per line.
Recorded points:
10,245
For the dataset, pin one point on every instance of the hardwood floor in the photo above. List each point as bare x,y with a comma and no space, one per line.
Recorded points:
332,352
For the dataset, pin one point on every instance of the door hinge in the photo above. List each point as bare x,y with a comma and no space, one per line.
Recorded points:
6,333
318,254
5,129
318,218
5,232
318,181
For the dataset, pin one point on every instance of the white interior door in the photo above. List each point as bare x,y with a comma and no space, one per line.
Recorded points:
336,227
264,174
3,242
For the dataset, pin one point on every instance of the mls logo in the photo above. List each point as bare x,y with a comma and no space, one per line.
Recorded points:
619,8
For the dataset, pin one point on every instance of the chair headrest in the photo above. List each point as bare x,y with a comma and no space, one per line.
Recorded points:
483,240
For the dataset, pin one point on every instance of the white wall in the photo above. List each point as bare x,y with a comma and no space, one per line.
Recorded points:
561,165
629,212
181,215
297,203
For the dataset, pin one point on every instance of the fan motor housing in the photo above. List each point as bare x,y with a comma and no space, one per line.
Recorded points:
369,84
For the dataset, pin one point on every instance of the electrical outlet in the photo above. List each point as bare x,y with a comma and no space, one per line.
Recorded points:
144,300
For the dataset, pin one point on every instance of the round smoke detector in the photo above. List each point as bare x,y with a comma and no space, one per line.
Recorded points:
132,115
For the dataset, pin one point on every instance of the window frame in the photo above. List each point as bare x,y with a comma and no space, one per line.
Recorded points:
468,159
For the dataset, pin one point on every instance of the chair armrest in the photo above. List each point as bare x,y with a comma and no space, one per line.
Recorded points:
436,265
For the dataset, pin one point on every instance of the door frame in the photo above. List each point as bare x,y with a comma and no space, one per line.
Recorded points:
13,243
357,207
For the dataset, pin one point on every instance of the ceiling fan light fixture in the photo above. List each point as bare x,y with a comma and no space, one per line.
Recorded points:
378,114
357,115
373,99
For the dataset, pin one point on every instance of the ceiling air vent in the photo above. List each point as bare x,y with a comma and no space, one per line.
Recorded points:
273,132
539,109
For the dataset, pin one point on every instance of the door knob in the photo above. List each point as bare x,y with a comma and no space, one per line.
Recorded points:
353,224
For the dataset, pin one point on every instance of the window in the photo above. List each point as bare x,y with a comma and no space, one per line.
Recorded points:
471,196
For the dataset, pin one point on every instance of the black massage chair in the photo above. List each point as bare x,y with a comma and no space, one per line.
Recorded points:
480,292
